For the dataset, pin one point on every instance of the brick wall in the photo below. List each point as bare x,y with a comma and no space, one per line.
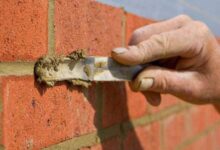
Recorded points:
107,116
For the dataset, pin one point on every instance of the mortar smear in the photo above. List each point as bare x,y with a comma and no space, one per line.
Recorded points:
50,63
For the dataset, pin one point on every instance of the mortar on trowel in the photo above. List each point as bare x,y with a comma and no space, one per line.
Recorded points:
80,69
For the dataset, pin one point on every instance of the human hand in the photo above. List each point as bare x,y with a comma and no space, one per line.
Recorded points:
187,58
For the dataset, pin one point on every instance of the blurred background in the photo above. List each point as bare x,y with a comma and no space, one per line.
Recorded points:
207,11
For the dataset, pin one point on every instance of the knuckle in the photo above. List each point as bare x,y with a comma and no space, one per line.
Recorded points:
201,26
162,41
184,17
135,37
162,84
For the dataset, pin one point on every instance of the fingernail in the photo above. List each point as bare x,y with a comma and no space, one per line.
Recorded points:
145,84
119,50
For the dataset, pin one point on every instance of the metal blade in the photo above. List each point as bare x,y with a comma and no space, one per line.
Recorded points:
90,69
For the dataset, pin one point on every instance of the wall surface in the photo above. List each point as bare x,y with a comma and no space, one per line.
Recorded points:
107,116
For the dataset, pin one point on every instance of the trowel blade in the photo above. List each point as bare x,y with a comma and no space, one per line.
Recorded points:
91,69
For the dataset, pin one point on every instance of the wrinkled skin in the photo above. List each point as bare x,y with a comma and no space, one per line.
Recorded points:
184,57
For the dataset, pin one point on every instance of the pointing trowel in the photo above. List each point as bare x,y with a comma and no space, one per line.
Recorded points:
52,69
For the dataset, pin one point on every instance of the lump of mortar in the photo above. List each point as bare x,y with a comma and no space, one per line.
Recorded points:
82,83
50,63
77,55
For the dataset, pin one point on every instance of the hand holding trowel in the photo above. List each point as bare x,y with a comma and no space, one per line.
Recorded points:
82,70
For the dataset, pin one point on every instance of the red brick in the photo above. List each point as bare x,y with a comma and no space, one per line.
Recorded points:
87,24
202,117
1,114
174,131
110,144
141,138
215,139
204,143
37,117
23,29
134,22
136,103
115,103
121,104
166,101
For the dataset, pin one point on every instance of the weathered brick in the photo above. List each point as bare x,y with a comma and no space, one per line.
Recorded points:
136,104
134,22
174,131
114,103
23,29
121,104
202,117
87,24
109,144
35,116
203,143
167,100
146,137
1,113
215,139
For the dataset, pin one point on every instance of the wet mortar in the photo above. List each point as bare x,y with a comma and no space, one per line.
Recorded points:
52,62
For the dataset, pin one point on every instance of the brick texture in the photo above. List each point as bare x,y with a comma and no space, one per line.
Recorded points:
114,103
202,117
1,113
89,25
121,104
203,143
215,139
23,29
174,131
110,144
143,138
167,100
35,117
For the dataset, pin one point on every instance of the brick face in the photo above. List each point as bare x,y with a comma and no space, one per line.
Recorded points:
121,104
87,24
167,100
202,117
215,138
1,113
203,143
37,118
110,144
174,131
23,29
114,103
137,105
143,138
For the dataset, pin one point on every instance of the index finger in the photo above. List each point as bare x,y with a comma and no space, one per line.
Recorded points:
165,45
146,32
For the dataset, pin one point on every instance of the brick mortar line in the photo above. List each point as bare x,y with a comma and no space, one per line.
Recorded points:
1,110
99,104
124,27
198,136
2,147
16,68
117,130
51,30
150,118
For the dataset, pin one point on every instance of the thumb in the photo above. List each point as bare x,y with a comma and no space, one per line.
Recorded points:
162,80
